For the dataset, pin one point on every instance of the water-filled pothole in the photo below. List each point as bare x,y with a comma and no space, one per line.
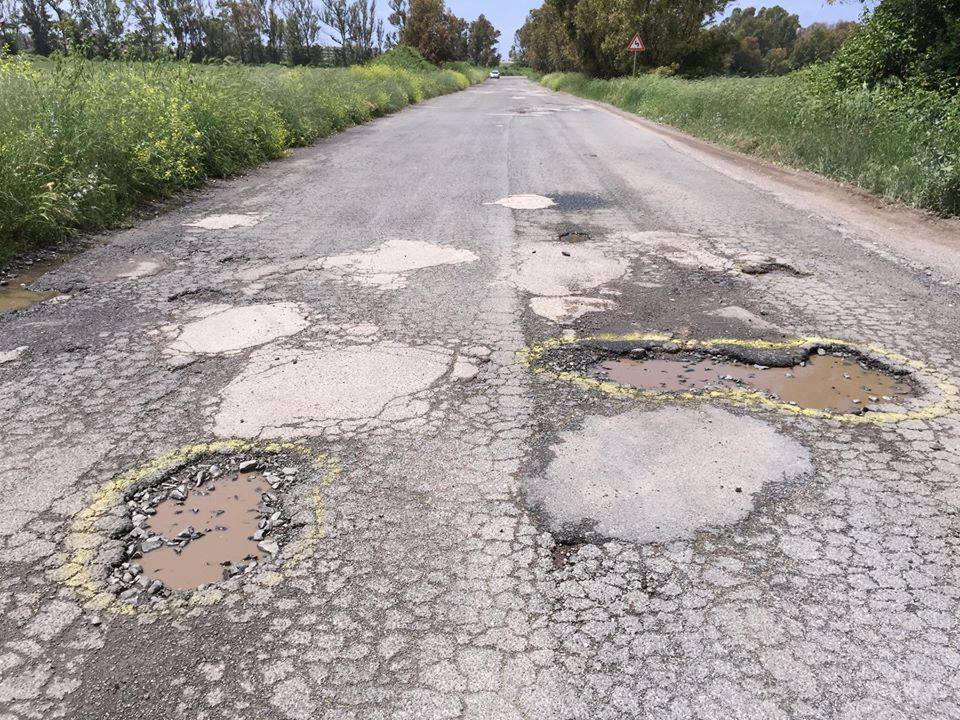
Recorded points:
839,382
15,293
812,376
206,522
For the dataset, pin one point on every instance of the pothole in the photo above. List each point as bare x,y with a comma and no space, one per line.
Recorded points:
816,377
574,236
15,292
838,382
763,267
204,523
187,527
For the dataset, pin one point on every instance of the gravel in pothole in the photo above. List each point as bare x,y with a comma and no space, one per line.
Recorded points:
204,523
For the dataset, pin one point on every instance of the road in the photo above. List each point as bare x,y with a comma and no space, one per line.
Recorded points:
479,526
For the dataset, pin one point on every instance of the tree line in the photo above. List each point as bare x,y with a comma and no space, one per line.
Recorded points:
298,32
682,36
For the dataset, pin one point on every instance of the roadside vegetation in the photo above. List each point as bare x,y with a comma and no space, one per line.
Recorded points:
876,104
108,103
82,142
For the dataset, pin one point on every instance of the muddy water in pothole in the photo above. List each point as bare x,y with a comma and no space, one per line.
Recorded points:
821,383
226,512
16,296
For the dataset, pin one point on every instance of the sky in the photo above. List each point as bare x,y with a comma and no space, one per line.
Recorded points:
508,15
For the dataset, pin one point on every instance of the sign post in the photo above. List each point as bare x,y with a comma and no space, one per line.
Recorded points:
636,45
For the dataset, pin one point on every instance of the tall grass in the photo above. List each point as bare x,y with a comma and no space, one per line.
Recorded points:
897,143
82,142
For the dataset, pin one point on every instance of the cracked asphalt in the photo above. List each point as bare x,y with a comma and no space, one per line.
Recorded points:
494,543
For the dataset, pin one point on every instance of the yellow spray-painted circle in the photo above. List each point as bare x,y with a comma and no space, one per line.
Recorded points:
940,395
85,539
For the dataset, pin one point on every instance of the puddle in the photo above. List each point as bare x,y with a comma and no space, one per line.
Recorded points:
574,236
822,382
226,517
16,295
203,524
816,377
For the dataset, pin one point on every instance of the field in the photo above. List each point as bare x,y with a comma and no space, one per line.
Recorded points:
82,142
896,143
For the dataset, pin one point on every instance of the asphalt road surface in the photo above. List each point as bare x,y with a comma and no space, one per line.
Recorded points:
476,523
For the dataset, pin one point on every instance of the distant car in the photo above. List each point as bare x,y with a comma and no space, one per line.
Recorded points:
495,74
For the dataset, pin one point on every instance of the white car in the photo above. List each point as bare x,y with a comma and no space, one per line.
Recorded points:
495,74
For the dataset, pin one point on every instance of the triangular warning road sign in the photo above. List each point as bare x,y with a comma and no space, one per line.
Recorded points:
636,45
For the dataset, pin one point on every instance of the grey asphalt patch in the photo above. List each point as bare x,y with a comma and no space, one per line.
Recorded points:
664,474
566,308
285,393
387,266
226,221
229,329
585,266
525,202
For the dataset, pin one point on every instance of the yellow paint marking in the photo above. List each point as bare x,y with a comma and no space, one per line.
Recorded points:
932,381
85,539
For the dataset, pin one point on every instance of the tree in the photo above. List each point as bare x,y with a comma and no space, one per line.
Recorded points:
10,25
362,27
36,16
544,41
906,40
819,42
482,43
302,30
146,37
399,9
431,30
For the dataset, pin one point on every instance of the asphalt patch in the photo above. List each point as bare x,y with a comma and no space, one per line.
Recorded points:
578,201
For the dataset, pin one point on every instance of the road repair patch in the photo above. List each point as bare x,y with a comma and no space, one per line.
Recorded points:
291,392
187,527
224,329
226,221
660,475
524,202
388,265
812,376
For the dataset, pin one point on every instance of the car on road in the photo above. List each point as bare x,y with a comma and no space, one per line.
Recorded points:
495,74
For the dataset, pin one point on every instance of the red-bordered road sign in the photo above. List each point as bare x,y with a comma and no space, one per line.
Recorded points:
636,45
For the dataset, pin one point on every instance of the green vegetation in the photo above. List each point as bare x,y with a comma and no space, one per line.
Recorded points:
82,142
882,112
899,144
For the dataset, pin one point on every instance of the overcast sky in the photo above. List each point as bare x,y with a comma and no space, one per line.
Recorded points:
508,15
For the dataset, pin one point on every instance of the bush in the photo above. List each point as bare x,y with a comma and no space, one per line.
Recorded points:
404,57
82,142
900,144
473,73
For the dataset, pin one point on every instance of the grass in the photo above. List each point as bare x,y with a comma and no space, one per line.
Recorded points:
897,143
82,142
